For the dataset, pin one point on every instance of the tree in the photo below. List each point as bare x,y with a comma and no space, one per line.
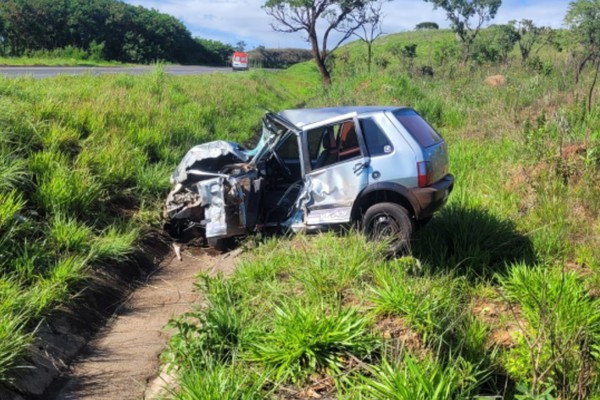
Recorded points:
529,35
219,52
505,37
310,16
583,17
460,14
370,29
426,26
240,46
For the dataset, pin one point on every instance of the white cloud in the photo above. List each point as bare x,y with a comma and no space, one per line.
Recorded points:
230,21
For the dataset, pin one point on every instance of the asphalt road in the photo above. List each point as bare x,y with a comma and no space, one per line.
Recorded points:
44,72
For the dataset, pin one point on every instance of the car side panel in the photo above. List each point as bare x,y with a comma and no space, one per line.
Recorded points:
332,192
399,166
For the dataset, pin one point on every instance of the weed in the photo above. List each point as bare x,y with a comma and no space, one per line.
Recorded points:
13,341
219,332
114,244
13,173
471,242
311,338
68,234
430,305
214,380
561,333
416,379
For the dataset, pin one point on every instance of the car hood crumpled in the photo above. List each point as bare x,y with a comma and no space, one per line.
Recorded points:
208,157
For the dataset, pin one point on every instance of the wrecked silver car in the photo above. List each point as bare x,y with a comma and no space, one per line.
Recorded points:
381,168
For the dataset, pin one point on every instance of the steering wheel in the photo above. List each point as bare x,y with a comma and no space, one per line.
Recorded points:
284,168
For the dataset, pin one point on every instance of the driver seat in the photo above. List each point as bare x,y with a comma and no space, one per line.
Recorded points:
329,154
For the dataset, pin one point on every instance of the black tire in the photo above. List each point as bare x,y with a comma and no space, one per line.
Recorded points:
390,222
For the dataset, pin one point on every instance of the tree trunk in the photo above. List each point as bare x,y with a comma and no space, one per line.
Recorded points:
597,63
466,53
319,59
369,55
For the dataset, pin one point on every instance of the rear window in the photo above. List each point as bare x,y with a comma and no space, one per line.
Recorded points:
420,130
377,142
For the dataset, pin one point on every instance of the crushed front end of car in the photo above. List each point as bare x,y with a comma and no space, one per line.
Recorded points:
212,197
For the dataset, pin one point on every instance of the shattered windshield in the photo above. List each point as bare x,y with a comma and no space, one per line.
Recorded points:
274,128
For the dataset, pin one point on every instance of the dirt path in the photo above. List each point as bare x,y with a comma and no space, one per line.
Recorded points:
123,358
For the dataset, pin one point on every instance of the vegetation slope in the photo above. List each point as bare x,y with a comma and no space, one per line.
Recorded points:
498,295
84,168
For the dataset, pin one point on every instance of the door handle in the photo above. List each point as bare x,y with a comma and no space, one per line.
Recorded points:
360,166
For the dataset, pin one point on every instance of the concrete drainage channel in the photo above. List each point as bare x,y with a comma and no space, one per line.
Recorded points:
108,345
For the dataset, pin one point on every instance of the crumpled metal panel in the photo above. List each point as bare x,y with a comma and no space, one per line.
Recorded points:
180,202
329,189
209,157
222,195
213,195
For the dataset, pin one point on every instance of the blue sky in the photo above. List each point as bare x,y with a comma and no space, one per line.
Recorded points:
230,21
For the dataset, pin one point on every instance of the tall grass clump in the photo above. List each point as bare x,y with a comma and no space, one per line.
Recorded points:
306,339
14,340
471,242
559,331
417,379
13,172
430,305
214,380
275,316
216,333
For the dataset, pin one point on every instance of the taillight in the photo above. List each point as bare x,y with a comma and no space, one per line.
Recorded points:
423,173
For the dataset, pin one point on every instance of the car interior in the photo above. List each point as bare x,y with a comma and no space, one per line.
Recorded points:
327,146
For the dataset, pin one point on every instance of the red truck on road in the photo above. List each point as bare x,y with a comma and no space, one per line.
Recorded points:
239,62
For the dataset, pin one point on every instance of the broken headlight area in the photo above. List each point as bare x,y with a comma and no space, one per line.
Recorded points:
215,205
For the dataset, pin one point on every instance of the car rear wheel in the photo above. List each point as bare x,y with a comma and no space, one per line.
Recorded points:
388,222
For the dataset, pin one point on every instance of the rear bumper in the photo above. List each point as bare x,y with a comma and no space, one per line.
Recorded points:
433,197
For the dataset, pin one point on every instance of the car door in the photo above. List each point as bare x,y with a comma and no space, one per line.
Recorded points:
333,180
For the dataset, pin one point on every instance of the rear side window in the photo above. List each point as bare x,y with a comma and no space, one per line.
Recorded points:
377,142
420,130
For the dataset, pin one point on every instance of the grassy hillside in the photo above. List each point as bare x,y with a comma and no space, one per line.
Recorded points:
84,168
498,295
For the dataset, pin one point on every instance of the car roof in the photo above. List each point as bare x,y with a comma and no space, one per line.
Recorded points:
305,116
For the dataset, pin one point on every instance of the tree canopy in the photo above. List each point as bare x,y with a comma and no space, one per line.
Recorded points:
467,17
310,16
426,25
583,17
120,31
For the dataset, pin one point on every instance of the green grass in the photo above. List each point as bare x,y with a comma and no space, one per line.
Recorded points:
497,295
41,61
84,168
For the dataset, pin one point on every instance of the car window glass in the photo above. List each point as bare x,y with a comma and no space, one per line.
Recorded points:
377,142
331,144
315,139
348,141
419,129
289,148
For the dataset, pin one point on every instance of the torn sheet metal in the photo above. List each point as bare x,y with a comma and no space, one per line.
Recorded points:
329,196
213,196
209,157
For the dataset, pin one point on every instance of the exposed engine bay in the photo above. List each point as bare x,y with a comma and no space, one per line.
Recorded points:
221,190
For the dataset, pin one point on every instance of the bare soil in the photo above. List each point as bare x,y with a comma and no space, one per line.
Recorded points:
89,353
123,358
